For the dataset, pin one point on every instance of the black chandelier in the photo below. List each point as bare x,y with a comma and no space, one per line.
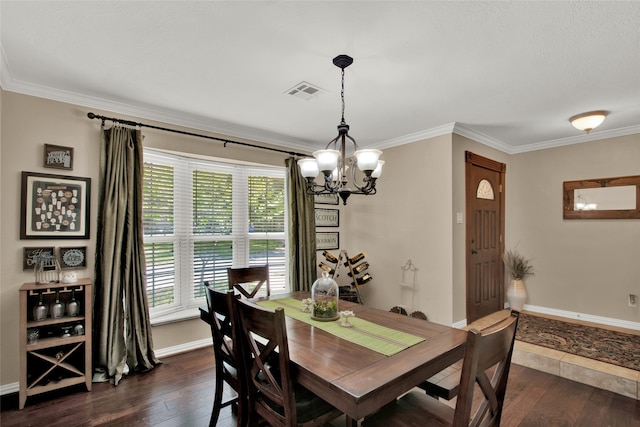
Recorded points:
333,162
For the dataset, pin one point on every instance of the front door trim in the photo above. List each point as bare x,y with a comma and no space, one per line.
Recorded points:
471,160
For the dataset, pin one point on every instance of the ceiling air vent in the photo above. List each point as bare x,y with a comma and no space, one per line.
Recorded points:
305,91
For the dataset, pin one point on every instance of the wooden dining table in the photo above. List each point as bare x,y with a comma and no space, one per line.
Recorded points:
356,379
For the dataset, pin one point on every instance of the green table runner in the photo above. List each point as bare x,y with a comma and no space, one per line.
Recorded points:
378,338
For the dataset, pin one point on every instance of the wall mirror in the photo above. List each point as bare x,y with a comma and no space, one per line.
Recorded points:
602,198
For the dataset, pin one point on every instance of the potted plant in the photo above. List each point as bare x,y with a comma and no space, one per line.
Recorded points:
518,268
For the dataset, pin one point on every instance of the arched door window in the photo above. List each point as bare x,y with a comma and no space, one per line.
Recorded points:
485,190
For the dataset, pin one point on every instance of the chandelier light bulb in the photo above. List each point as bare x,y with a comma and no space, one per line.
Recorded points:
327,160
308,168
378,170
367,159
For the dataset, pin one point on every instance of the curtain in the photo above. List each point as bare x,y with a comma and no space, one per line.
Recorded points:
302,230
122,327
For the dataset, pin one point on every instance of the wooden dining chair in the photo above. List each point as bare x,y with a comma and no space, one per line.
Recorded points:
248,281
273,394
225,350
446,383
488,350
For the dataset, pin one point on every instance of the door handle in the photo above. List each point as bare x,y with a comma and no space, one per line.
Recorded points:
473,251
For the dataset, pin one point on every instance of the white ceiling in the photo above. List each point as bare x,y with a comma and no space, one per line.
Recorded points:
508,74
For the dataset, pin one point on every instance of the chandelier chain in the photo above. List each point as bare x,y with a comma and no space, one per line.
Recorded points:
342,97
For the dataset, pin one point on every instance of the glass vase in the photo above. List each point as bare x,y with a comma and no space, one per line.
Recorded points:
73,306
325,295
40,310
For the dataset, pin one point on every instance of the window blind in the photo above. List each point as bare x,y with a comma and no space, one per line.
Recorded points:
202,217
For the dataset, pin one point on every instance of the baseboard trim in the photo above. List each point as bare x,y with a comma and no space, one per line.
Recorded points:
609,321
182,348
461,324
9,388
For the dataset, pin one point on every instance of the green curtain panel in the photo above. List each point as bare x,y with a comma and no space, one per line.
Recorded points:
302,230
122,336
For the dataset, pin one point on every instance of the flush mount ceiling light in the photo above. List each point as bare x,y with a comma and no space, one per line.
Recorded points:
588,121
333,162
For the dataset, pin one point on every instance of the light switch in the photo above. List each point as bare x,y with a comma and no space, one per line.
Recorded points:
459,217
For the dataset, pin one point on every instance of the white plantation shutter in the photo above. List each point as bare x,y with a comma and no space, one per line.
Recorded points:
160,237
201,218
267,224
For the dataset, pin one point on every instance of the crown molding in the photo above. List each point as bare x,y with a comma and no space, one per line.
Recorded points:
462,130
587,137
446,129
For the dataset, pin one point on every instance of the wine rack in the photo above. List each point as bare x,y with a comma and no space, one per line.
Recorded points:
55,351
357,267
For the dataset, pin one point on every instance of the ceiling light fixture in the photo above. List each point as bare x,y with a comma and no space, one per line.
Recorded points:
333,162
588,121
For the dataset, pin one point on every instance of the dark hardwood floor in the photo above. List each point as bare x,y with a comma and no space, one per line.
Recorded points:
180,393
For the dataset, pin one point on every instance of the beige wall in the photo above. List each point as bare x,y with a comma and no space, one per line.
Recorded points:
27,123
409,218
584,266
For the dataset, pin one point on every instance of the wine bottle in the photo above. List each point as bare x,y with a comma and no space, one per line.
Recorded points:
325,267
330,257
364,279
359,268
355,259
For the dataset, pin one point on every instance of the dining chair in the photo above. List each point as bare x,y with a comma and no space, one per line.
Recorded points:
225,350
485,351
273,394
445,384
248,281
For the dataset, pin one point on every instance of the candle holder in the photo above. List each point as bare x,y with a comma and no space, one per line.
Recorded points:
306,305
344,318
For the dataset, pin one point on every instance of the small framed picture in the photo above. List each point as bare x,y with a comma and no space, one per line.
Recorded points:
327,240
327,217
326,199
73,257
58,157
54,206
33,256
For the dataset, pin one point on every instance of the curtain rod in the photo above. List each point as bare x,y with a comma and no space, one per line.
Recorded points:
226,141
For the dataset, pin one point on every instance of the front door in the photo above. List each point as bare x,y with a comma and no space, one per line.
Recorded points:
484,235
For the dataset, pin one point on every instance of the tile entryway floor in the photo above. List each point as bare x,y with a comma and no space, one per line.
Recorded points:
614,378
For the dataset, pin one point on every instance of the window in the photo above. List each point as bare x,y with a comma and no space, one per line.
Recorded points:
202,217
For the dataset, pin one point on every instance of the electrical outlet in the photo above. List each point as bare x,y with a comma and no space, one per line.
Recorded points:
633,300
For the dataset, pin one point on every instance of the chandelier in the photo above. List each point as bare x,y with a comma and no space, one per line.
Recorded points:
333,161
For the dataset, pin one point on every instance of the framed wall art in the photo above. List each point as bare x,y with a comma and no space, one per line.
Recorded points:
54,206
73,257
33,256
327,240
327,217
58,157
325,199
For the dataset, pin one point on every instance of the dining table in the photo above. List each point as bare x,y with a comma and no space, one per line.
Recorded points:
361,368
